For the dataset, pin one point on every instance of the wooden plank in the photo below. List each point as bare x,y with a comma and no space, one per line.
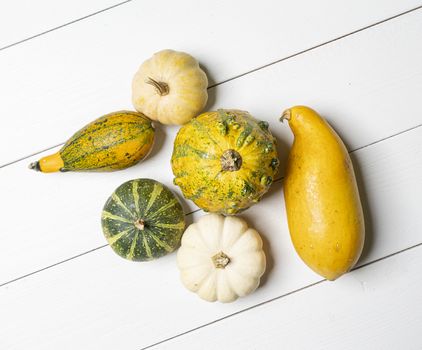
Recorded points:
60,215
376,307
102,301
58,82
23,19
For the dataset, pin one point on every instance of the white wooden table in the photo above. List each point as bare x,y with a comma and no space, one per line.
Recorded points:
64,63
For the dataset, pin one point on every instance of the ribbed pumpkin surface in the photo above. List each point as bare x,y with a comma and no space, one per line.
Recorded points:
143,220
224,161
114,141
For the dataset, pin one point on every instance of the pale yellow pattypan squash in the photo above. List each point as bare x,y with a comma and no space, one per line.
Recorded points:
170,87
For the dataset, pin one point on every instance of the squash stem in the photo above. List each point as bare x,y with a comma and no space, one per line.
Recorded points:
161,87
35,166
231,160
220,260
140,224
286,115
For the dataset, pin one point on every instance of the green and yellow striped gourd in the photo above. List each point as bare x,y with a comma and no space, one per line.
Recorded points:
143,220
224,161
115,141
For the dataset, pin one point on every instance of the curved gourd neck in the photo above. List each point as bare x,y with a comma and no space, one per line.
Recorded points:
305,122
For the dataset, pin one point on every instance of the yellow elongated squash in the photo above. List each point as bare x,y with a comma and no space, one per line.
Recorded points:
324,212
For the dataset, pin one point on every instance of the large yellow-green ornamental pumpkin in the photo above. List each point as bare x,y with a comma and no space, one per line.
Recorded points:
224,161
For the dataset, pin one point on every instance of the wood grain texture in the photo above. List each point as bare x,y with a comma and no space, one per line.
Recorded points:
22,19
375,307
100,299
356,94
55,83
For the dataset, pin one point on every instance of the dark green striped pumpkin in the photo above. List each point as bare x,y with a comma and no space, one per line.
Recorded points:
143,220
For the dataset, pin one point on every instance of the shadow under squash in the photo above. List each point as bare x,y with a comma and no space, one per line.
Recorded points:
212,91
266,247
363,194
369,228
270,261
283,150
159,139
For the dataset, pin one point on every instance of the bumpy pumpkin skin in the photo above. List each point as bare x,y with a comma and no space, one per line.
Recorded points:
112,142
170,87
212,177
143,220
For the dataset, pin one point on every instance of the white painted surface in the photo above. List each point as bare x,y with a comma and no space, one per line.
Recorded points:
58,82
368,85
376,307
317,78
101,299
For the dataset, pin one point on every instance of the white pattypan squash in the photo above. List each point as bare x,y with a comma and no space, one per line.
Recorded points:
220,258
170,87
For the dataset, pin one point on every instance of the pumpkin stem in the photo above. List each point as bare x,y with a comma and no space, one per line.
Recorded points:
161,87
139,224
220,260
231,160
286,115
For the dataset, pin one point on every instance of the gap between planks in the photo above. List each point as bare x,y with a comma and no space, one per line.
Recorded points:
279,297
279,179
197,210
320,45
64,25
227,80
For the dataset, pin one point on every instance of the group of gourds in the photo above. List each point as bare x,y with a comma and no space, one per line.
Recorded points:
224,161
